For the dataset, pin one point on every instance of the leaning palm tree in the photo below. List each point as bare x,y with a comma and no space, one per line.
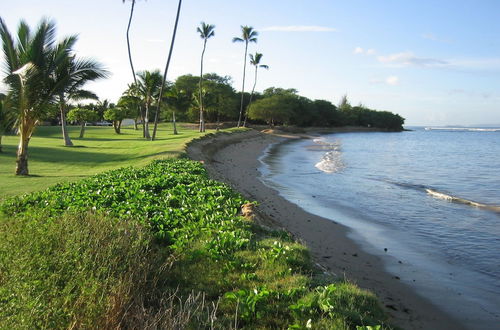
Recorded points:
164,80
206,31
248,34
128,39
31,63
255,61
148,88
76,73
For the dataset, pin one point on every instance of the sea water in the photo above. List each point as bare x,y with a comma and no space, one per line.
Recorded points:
427,201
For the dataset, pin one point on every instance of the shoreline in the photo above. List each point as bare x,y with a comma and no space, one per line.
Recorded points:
234,159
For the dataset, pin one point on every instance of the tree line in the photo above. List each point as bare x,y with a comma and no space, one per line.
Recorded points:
46,81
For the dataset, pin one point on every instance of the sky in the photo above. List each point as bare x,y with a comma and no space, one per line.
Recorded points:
433,62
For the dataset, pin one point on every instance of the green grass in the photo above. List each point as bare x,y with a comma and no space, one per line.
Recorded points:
100,150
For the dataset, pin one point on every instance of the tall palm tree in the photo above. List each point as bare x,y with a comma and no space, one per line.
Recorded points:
7,117
128,39
31,65
160,95
248,34
76,73
255,61
206,31
148,88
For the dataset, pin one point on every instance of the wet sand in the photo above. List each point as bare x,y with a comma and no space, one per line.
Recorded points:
234,159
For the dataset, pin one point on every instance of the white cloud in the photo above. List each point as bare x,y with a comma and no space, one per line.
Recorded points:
408,58
358,50
299,28
392,80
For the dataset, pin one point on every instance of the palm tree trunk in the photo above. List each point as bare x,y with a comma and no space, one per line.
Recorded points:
1,150
67,140
119,127
128,41
135,124
243,85
146,123
251,96
200,87
82,129
173,121
26,129
166,67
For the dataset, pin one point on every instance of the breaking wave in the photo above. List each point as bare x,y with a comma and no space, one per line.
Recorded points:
445,196
331,161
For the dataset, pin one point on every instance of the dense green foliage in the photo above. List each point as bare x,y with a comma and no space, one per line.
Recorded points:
141,233
285,106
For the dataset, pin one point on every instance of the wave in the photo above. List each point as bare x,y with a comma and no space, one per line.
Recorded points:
445,196
462,129
331,162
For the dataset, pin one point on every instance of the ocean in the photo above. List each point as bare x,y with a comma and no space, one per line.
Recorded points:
427,201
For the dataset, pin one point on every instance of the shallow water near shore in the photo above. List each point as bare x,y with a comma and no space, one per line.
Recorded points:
430,197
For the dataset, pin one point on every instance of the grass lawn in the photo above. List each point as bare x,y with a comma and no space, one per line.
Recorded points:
101,149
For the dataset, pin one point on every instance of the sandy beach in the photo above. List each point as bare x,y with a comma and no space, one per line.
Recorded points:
233,158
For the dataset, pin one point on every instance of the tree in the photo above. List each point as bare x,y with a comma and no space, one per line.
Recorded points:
76,73
7,118
206,31
255,61
160,95
116,116
248,34
176,99
148,88
82,115
274,109
128,39
133,105
31,66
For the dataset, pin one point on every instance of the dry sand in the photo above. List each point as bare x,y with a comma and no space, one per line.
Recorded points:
233,158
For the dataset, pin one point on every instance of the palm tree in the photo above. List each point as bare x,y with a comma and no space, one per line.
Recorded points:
7,117
31,66
128,39
254,60
248,34
160,95
76,73
206,31
176,97
148,88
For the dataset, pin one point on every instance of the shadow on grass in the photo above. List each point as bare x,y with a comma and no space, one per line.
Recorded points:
81,155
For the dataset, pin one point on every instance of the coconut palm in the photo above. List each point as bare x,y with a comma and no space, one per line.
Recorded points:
7,117
206,31
128,39
148,88
160,94
255,61
31,65
76,73
248,34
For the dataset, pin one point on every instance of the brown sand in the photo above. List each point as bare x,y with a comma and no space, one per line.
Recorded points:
234,159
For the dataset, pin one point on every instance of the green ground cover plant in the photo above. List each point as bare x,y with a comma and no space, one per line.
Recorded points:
161,245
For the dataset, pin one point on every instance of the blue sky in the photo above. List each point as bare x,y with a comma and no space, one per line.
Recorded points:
433,62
